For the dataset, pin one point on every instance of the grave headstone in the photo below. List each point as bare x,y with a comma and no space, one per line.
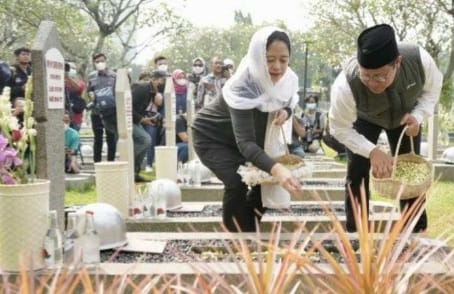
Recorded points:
166,156
48,95
170,112
190,113
125,143
432,135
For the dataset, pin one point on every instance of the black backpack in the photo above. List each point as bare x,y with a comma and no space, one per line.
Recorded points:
78,104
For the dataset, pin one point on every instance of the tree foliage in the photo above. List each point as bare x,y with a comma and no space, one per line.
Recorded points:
428,23
89,26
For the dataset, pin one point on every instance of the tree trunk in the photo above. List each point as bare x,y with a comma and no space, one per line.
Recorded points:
99,43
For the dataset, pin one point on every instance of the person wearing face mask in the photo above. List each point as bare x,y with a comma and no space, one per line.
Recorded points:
386,86
181,88
72,142
101,88
312,124
210,86
161,64
198,71
144,94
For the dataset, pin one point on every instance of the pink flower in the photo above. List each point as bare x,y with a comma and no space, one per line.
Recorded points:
8,157
3,142
7,179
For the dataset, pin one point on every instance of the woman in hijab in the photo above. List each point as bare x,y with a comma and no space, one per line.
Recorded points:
198,71
181,88
244,125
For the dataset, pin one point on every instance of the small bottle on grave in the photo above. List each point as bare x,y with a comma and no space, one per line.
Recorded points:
90,240
53,243
73,240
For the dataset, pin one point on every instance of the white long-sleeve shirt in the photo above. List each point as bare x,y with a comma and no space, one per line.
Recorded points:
343,114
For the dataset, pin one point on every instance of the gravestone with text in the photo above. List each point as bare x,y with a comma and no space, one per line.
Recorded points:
190,113
125,144
166,156
49,99
170,112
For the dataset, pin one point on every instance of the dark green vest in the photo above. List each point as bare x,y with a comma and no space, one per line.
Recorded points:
388,108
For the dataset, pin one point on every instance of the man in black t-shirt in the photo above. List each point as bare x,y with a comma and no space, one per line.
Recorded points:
143,93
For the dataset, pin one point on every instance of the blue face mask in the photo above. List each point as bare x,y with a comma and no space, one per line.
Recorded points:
311,106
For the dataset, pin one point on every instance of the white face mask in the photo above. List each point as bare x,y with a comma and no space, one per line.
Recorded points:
311,106
181,82
72,73
163,67
100,66
197,69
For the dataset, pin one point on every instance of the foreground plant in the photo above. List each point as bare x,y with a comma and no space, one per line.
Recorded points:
388,258
390,262
383,258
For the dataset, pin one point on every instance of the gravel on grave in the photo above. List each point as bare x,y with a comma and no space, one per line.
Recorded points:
189,251
297,210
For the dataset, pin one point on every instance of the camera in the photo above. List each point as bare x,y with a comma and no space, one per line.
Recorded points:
227,67
156,117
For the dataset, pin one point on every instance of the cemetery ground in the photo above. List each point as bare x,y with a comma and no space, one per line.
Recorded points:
440,202
440,205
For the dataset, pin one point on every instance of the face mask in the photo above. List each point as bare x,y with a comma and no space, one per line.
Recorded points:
72,73
197,69
181,82
311,106
100,66
163,67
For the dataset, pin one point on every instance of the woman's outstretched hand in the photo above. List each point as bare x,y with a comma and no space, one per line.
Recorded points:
286,179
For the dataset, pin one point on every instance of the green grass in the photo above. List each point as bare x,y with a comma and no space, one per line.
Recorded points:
80,196
439,207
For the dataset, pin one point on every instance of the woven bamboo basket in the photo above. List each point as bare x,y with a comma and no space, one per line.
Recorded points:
394,187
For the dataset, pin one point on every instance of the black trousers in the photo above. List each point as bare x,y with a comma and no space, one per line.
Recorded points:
358,169
239,203
98,132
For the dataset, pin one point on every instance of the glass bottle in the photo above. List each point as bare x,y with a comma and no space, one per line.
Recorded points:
53,243
90,240
197,177
73,240
160,202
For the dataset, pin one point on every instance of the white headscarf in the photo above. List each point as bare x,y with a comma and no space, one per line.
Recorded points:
251,85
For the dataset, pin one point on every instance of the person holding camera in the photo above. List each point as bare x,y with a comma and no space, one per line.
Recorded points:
144,94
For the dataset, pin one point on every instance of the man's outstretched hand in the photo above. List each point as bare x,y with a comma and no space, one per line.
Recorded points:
381,163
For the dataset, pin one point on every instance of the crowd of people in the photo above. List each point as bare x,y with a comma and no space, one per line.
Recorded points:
386,86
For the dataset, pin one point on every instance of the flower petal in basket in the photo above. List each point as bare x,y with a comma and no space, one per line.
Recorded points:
252,175
412,171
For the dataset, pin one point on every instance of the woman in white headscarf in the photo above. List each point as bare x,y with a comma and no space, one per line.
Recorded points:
243,125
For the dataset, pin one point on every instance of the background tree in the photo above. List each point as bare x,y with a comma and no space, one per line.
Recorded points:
428,23
90,26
